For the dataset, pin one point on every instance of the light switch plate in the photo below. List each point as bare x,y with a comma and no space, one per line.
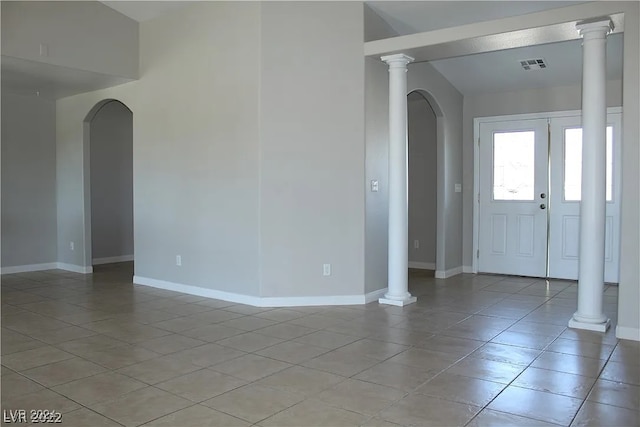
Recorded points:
374,185
458,188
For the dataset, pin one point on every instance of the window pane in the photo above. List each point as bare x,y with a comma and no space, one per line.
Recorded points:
573,164
513,165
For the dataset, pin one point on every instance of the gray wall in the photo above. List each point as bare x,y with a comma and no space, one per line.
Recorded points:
111,152
422,76
28,180
195,149
422,179
312,148
86,35
516,102
629,290
377,168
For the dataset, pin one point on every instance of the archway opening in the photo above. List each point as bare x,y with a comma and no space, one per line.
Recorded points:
108,187
423,182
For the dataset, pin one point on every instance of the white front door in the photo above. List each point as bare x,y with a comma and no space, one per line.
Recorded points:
513,197
566,169
529,196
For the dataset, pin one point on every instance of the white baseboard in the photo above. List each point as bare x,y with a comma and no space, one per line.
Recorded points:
75,268
29,267
440,274
467,269
112,259
625,333
375,295
260,301
422,265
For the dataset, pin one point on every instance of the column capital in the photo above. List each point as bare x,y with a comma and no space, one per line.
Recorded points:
398,59
599,25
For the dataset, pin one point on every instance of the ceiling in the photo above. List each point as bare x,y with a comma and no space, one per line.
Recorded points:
471,74
500,71
410,17
145,10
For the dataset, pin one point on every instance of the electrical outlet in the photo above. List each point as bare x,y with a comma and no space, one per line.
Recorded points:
416,244
326,269
374,185
179,260
72,246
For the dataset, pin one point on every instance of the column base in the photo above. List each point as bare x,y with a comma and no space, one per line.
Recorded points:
398,302
596,327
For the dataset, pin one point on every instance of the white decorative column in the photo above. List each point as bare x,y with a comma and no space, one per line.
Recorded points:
398,292
593,203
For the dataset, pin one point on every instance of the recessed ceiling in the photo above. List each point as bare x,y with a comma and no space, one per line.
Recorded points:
145,10
501,71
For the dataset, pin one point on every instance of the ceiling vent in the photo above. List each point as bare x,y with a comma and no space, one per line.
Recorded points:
533,64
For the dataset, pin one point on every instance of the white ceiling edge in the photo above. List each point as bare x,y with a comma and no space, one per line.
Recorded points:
145,10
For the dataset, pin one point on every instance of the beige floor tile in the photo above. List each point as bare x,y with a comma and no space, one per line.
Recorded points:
159,369
207,355
197,416
286,331
625,354
201,385
250,367
15,342
63,372
432,361
301,380
85,417
42,399
99,388
491,418
459,347
616,394
379,422
178,324
506,354
483,368
569,363
213,316
316,321
249,342
374,349
90,344
292,352
537,328
212,333
253,403
17,385
314,413
539,405
326,339
171,344
360,396
570,385
397,375
593,414
472,391
628,373
118,357
581,348
141,406
36,357
341,363
523,339
61,335
248,323
420,410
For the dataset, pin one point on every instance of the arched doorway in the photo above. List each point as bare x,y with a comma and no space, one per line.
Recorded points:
426,182
108,183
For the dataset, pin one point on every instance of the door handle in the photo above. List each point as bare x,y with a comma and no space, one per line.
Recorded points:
543,206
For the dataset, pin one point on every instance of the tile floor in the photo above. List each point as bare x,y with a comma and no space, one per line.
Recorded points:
474,350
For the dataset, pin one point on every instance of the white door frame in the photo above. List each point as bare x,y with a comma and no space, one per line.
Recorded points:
476,161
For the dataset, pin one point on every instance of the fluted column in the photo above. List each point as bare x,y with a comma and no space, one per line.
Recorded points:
398,292
593,202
